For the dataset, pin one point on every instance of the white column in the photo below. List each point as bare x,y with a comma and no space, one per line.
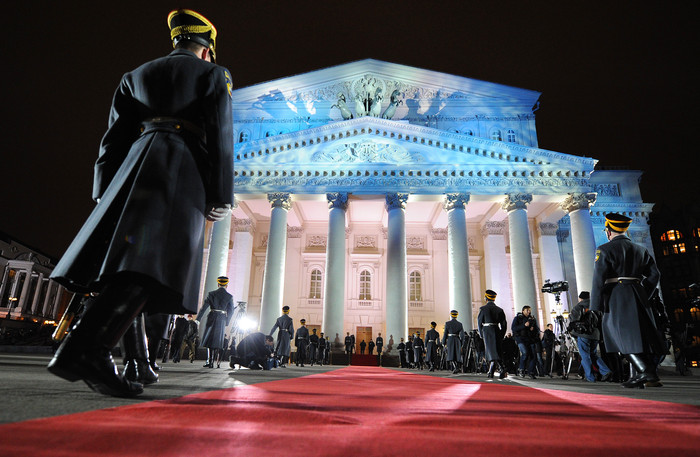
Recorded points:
524,291
273,282
241,258
551,262
334,284
458,257
582,237
217,263
396,269
496,265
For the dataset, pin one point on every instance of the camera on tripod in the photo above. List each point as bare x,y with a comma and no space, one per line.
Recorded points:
555,287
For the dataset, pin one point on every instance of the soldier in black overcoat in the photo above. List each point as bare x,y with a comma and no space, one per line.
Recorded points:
402,354
624,277
492,328
220,305
285,324
313,347
418,348
301,341
432,338
165,164
177,337
452,339
380,344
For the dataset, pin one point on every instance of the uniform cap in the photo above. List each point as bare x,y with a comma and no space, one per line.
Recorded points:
285,309
454,313
617,222
303,321
222,280
490,295
189,25
433,324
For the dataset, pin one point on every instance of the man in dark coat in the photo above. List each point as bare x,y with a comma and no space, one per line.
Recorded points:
624,277
587,336
177,337
254,352
285,324
402,354
492,328
380,344
301,341
409,351
525,332
165,164
313,347
322,349
418,348
370,347
363,346
348,346
220,306
548,341
432,338
452,340
191,337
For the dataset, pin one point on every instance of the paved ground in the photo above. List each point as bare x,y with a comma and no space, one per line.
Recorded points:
29,391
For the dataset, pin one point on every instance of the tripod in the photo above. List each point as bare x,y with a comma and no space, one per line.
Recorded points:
471,354
568,348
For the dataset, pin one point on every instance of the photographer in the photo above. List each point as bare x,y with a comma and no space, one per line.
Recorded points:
584,326
548,340
526,335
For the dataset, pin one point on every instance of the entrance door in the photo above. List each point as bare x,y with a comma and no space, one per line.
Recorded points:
362,333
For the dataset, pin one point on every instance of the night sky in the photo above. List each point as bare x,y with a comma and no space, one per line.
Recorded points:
619,81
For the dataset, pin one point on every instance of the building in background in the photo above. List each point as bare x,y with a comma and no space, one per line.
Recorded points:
374,198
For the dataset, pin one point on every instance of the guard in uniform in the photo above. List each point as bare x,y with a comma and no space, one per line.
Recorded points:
492,328
452,340
348,346
321,349
418,348
165,164
220,306
301,341
313,347
432,338
285,324
624,277
402,354
380,344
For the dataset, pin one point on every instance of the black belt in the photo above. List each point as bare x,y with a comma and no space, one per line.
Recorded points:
623,280
218,311
431,341
488,324
172,124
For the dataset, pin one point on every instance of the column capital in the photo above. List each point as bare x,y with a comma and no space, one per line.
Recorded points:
493,228
516,201
337,200
280,200
395,201
547,228
578,201
562,235
455,200
243,225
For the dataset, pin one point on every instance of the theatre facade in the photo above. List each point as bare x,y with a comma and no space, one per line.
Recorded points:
374,197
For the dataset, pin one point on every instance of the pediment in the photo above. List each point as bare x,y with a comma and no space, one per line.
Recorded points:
366,154
355,78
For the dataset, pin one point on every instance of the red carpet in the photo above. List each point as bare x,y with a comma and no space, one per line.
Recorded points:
364,360
372,411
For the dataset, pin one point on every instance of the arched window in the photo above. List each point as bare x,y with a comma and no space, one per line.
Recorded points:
365,285
243,136
414,287
316,284
496,135
510,136
469,132
671,235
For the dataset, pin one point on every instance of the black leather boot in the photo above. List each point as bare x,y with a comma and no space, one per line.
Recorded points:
502,373
492,370
137,367
210,359
85,352
645,372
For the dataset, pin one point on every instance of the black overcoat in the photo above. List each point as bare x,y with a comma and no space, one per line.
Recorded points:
153,186
493,335
628,321
452,339
220,305
285,324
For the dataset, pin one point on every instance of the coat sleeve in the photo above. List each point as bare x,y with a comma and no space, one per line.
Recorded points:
121,133
651,274
219,129
205,306
597,303
274,327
